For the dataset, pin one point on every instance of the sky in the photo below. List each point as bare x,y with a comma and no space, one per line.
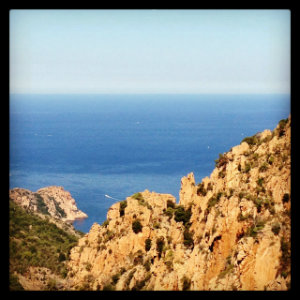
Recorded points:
149,51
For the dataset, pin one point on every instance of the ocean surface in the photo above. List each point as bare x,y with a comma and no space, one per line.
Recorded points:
117,145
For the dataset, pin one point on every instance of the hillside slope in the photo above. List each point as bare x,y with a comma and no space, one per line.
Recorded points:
229,232
53,201
38,250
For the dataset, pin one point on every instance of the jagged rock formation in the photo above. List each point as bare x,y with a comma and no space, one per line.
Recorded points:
53,201
229,232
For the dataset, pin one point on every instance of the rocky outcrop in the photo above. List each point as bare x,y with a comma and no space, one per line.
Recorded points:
53,201
229,232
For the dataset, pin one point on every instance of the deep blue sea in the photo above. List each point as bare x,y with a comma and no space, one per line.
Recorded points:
117,145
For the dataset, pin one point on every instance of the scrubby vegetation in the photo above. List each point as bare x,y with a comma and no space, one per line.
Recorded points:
141,200
59,211
285,258
170,204
137,226
280,131
188,238
201,189
221,161
160,242
182,215
36,242
123,205
186,283
285,198
14,284
213,200
276,228
255,228
228,268
148,244
250,140
41,206
137,196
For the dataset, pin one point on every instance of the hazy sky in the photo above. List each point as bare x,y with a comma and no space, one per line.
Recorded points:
149,51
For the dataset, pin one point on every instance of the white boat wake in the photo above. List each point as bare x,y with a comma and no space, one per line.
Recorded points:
107,196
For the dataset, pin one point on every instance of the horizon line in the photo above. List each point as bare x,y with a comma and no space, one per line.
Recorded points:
145,93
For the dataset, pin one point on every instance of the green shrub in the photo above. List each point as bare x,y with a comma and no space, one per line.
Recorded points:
271,160
148,244
258,203
141,200
115,278
14,284
88,266
169,265
281,129
169,212
221,174
250,140
209,187
109,235
147,265
137,226
286,198
260,181
201,189
160,242
105,223
219,195
263,167
254,229
214,200
282,123
241,195
137,196
61,257
221,161
276,228
123,205
186,283
231,192
156,225
170,204
268,204
187,238
182,215
41,206
285,258
247,167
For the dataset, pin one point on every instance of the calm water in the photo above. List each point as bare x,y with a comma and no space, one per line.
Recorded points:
117,145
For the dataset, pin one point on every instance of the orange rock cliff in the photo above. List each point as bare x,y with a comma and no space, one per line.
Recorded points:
229,232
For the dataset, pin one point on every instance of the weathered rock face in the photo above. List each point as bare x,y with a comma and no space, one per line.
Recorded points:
229,232
53,201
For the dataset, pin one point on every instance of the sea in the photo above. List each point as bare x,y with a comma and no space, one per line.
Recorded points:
103,148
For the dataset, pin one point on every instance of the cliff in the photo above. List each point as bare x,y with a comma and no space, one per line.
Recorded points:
39,248
53,201
229,232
